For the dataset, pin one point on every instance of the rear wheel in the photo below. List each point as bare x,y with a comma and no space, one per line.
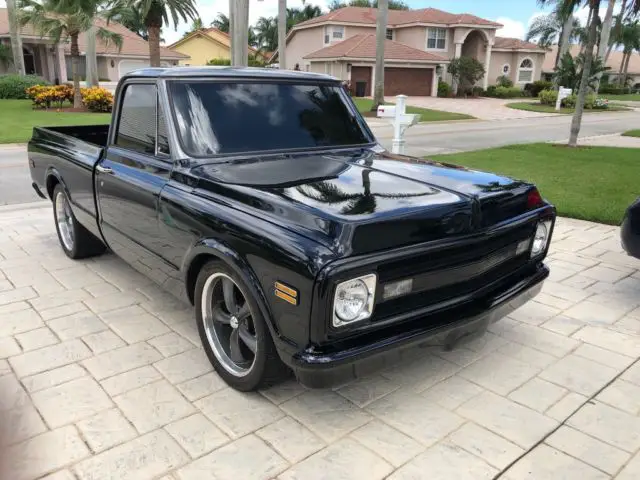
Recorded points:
233,332
75,240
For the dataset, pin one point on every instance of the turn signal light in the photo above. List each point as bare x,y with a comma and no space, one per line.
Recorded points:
534,200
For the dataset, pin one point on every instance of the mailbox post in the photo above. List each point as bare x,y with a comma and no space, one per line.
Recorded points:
400,121
562,94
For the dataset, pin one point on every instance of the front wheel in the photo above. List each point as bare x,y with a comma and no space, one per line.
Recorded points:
76,241
233,332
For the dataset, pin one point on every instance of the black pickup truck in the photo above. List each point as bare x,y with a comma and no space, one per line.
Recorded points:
263,198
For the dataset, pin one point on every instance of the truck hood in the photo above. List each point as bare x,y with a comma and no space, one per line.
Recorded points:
360,201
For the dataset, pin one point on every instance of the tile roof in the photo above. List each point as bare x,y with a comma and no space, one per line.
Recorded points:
614,61
132,44
364,46
515,44
398,17
207,31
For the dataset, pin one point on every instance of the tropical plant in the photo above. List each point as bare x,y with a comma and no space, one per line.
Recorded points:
266,32
444,89
154,14
559,27
628,37
466,71
570,71
134,21
504,81
221,22
67,19
195,26
392,4
381,37
299,15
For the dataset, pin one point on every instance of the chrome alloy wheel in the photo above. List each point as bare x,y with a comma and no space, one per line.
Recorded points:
65,220
228,324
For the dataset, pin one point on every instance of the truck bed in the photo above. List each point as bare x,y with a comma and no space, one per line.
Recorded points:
69,154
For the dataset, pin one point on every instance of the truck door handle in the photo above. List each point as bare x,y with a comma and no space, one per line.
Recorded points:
102,169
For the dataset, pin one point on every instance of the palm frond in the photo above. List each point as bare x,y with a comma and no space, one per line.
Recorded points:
109,37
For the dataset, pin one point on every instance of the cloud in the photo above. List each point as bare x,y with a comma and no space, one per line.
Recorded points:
209,9
511,28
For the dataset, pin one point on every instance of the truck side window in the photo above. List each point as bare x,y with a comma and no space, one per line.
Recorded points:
163,136
137,123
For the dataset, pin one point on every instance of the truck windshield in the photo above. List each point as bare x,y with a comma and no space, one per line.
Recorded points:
221,118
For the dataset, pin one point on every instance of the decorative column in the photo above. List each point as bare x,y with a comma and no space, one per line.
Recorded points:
434,82
458,52
487,66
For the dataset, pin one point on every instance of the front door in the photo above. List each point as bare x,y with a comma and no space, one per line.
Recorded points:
131,176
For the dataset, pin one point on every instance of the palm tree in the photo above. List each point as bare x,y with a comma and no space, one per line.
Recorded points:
559,26
266,31
155,14
67,19
629,40
221,22
381,36
569,72
133,21
16,42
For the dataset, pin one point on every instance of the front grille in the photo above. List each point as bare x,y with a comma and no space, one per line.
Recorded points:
452,273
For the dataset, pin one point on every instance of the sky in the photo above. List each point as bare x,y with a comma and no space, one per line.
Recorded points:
515,15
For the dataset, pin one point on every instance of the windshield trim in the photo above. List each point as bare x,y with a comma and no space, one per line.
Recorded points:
224,157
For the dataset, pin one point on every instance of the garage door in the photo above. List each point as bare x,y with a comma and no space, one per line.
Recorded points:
408,81
361,81
126,66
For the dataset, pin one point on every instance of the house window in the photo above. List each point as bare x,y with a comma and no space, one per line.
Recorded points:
525,72
389,34
437,39
332,33
506,68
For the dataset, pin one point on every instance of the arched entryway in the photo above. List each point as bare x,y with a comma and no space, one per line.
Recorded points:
29,61
474,45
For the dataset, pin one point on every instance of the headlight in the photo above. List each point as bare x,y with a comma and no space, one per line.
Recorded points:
353,300
541,238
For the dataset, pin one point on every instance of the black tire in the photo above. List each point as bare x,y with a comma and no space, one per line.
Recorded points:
267,369
82,242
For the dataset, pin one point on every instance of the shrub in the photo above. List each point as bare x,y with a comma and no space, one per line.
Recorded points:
570,101
466,71
548,97
613,90
477,91
533,89
491,91
444,89
506,92
504,81
600,104
97,99
14,86
43,96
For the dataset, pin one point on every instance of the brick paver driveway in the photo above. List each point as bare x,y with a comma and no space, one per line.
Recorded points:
482,108
101,377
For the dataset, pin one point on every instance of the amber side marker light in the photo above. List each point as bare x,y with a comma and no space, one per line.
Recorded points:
286,293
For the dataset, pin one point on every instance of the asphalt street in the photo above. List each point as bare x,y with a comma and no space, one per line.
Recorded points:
424,139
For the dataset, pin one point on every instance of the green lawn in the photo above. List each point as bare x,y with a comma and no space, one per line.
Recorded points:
629,97
427,115
631,133
537,107
590,183
17,120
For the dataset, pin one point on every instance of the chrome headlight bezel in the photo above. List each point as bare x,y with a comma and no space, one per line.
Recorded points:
370,282
541,238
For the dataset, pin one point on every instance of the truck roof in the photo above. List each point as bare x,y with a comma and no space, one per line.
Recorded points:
227,72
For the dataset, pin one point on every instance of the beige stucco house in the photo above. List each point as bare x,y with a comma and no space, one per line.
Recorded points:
53,61
420,44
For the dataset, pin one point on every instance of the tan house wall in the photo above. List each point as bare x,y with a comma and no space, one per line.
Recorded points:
415,37
303,42
499,59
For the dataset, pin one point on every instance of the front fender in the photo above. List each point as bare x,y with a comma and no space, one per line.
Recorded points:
208,247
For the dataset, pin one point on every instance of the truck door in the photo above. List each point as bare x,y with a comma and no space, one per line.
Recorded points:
131,175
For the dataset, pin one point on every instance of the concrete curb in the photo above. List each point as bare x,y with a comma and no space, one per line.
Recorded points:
25,206
9,146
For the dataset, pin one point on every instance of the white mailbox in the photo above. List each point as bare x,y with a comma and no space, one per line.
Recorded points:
562,94
400,121
386,111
